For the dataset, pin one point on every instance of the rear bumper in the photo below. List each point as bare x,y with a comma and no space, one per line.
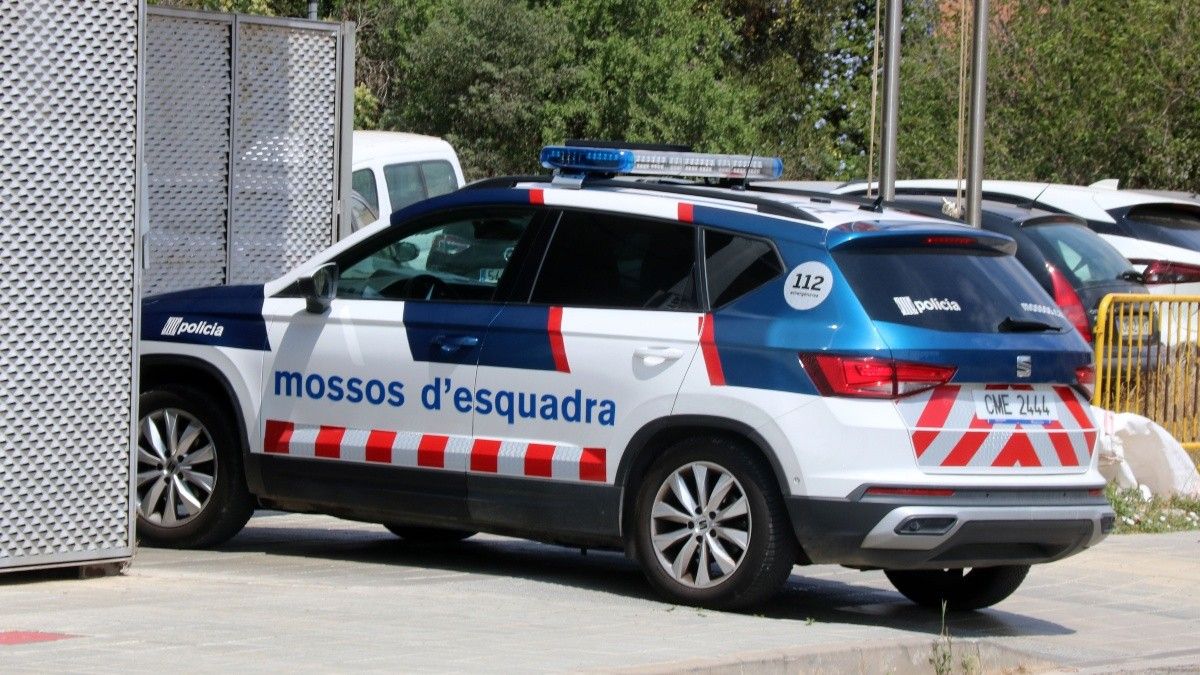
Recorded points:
972,529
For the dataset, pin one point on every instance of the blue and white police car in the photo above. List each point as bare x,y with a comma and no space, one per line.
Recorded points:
723,379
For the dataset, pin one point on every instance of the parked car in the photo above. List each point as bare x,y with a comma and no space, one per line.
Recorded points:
721,381
1160,235
394,169
1074,264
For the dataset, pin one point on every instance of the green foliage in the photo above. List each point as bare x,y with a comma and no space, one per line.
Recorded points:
1078,90
1159,514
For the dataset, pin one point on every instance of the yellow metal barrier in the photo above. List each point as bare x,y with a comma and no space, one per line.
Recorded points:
1148,360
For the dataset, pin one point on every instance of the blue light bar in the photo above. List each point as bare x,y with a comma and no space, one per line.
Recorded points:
587,160
660,163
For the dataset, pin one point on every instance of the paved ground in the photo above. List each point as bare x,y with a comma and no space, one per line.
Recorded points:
310,593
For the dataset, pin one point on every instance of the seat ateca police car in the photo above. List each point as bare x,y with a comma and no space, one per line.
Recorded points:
722,380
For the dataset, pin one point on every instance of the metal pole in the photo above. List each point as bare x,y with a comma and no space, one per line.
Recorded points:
978,102
891,103
312,9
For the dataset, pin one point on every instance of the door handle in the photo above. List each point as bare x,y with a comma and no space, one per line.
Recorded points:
656,356
452,343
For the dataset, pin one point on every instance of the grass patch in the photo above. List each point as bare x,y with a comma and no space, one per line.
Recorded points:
1160,514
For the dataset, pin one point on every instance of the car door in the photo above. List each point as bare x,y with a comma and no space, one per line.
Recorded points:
600,348
366,404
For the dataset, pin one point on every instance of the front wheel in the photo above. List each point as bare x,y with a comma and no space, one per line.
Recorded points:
960,589
191,490
711,528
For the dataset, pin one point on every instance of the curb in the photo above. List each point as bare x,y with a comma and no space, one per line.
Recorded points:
903,658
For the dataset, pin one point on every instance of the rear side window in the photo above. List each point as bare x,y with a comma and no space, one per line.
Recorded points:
598,260
1080,253
410,183
1165,224
736,265
946,289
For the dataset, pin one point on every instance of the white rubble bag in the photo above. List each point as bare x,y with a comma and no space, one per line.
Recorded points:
1137,453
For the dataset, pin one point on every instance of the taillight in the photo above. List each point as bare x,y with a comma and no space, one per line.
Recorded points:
871,377
1085,378
1068,300
1165,272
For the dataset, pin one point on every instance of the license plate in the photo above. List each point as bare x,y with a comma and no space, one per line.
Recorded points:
1006,405
1134,326
490,275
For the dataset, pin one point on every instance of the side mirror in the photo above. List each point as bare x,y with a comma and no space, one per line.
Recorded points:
319,287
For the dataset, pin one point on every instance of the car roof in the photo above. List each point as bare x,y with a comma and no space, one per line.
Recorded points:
1092,203
1015,212
369,145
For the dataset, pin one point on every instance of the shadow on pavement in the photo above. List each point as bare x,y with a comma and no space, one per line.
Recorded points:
803,598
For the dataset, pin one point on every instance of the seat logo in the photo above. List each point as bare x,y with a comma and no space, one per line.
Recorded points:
910,307
176,326
1024,366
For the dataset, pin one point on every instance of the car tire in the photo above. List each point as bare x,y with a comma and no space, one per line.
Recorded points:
429,535
715,557
961,590
191,488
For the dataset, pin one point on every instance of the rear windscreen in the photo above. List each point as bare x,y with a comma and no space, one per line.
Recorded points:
1080,253
947,290
1166,224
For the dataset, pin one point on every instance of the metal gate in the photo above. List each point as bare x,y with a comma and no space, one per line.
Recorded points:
247,132
1148,360
68,231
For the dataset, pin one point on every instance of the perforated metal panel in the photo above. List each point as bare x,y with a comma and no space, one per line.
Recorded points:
187,150
272,90
284,160
68,171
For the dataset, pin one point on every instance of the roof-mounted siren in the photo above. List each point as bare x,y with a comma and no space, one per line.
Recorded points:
574,163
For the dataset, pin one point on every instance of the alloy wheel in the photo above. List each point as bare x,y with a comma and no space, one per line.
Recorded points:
700,524
177,467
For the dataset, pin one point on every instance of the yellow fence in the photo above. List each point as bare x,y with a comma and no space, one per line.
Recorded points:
1148,360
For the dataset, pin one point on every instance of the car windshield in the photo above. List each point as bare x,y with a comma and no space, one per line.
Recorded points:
1171,224
1080,253
947,289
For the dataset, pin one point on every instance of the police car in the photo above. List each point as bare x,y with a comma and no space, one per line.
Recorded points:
722,379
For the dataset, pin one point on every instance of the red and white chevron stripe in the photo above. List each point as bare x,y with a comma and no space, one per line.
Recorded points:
434,451
947,435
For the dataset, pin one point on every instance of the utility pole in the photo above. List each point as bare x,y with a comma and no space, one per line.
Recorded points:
891,102
312,9
978,102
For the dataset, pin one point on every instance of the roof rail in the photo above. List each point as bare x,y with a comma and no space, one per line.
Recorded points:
765,206
862,202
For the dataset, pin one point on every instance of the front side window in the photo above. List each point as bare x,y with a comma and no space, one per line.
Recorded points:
456,258
600,260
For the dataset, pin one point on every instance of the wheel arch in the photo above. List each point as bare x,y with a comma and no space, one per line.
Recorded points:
161,369
656,436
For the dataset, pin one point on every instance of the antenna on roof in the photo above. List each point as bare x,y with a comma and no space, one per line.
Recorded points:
1033,202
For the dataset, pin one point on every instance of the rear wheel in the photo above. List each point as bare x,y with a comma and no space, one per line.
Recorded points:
191,490
960,589
711,528
429,535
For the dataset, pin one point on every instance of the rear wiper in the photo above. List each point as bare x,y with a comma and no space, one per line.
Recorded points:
1011,325
1131,275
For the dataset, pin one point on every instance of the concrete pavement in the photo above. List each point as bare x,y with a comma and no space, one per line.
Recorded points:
316,594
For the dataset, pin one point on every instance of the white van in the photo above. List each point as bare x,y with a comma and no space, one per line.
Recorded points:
393,169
